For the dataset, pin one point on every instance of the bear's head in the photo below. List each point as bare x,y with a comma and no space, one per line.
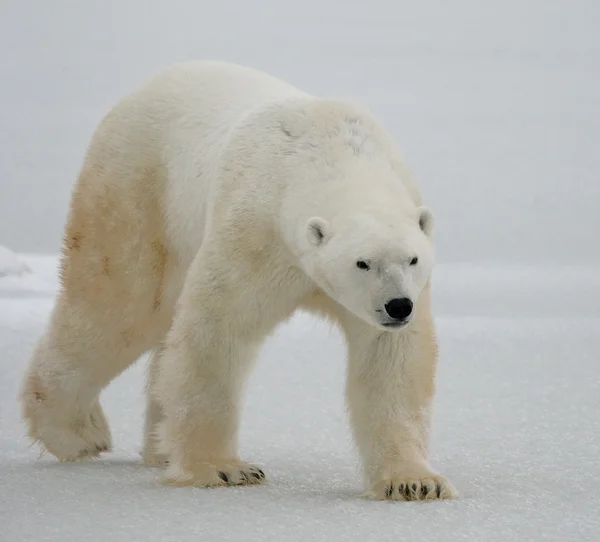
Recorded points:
374,266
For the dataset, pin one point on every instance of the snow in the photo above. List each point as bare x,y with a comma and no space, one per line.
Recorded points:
38,276
10,263
516,428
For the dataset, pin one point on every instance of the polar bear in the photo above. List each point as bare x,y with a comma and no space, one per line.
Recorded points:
213,202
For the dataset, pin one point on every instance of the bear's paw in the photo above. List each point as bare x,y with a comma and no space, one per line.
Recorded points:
214,475
426,487
70,436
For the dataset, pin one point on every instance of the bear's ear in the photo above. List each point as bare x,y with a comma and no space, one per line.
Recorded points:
426,220
317,231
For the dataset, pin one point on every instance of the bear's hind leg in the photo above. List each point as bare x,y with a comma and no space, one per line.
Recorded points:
154,415
75,359
119,283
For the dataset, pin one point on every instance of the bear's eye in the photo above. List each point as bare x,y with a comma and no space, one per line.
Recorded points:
414,261
362,265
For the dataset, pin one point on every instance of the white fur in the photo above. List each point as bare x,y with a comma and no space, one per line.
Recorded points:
214,202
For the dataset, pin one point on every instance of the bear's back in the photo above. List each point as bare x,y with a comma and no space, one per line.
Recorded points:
209,96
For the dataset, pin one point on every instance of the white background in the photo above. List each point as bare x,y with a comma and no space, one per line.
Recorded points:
495,105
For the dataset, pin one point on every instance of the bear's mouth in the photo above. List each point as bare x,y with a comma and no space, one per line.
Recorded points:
395,324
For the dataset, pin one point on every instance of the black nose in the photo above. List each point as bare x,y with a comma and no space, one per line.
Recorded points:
400,308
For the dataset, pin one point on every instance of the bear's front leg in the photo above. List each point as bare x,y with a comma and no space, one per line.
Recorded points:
389,390
199,387
199,384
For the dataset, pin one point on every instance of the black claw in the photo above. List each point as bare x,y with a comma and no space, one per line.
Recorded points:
424,490
262,474
401,488
414,487
244,476
389,490
438,490
256,475
223,476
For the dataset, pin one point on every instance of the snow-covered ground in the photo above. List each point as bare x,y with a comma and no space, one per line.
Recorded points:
516,429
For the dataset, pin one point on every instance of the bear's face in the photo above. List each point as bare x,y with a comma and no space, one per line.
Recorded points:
373,266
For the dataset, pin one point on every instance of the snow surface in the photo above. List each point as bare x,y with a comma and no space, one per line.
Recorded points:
516,428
